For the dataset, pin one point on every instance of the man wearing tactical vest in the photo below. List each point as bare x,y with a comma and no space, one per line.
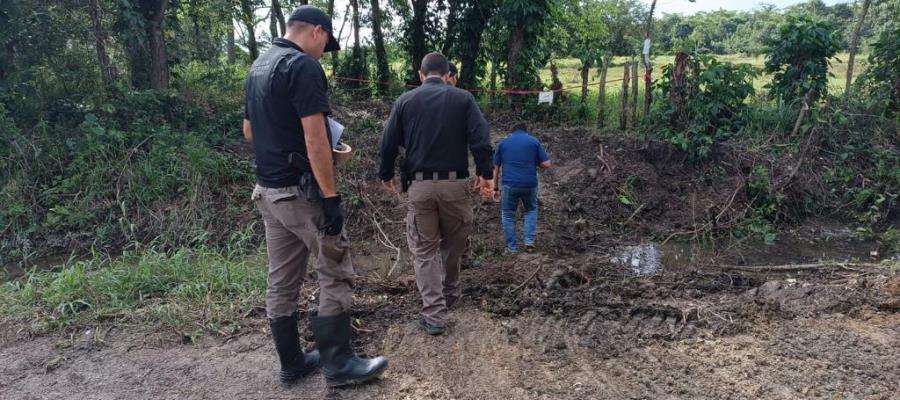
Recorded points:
286,120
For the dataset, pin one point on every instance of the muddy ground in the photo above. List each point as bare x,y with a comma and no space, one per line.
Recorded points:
565,323
681,335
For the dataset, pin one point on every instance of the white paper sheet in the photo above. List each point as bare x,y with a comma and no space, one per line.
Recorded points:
336,130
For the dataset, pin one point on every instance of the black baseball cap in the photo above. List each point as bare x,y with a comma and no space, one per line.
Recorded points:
315,16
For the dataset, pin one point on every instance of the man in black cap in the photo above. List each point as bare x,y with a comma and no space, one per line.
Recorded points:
453,78
285,118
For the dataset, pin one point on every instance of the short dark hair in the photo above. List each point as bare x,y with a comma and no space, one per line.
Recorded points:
520,126
434,63
300,25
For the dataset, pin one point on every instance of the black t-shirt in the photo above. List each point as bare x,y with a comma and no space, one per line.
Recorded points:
283,86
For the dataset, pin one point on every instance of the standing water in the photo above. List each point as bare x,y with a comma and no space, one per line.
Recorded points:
800,246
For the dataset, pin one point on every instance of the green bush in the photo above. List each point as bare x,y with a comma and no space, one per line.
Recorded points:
798,57
139,165
764,205
881,80
709,107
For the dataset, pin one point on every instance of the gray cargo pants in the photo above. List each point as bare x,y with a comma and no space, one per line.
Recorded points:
438,221
292,235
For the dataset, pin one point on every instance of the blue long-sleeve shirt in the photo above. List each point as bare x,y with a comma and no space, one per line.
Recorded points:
519,156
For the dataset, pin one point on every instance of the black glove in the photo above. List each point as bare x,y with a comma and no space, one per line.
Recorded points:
334,216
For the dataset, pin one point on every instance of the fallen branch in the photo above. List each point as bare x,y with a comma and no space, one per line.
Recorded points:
530,277
602,159
801,267
633,214
386,242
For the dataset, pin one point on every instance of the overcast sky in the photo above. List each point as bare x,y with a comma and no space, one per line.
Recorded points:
686,7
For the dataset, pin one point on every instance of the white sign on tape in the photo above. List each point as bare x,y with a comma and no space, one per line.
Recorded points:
545,97
646,46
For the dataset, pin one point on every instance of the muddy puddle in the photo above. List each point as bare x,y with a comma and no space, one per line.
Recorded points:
16,270
812,244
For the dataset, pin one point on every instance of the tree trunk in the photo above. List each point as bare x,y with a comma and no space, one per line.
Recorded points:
475,20
854,43
494,66
585,70
6,65
601,100
354,4
516,42
623,115
468,68
138,63
248,19
7,62
648,67
107,72
333,56
679,93
417,32
229,46
634,92
159,60
273,25
381,60
451,26
279,16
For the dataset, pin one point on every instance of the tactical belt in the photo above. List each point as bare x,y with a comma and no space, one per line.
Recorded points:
440,176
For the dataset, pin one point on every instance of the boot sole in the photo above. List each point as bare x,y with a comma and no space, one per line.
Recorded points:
355,381
293,380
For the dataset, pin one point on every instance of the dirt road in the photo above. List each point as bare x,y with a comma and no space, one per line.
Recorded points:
673,336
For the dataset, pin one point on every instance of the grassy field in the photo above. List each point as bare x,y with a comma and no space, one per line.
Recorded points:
570,73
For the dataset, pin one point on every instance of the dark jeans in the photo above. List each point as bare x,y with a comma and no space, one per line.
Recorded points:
509,204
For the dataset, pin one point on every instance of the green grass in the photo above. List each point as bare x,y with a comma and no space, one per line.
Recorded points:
570,72
184,288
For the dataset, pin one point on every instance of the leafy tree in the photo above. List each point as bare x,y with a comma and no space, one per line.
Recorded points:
583,35
882,79
799,55
526,22
623,20
706,101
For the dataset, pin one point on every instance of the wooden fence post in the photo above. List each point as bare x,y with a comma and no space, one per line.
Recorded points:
648,67
601,102
634,92
623,116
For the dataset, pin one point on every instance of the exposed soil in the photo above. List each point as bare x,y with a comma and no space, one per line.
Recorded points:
564,323
699,335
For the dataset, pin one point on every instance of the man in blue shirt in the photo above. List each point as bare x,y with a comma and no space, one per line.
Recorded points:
515,164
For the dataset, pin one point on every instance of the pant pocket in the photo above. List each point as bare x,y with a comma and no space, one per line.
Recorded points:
282,197
334,248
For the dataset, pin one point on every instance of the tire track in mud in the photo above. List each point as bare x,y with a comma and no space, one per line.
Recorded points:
597,310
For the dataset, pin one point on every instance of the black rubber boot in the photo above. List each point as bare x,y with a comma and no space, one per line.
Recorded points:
340,365
294,363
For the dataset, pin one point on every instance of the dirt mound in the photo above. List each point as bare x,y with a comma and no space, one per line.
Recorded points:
613,187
